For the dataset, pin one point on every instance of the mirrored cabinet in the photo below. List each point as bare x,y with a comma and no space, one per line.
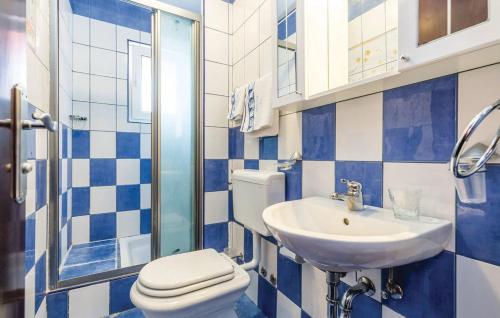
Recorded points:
329,46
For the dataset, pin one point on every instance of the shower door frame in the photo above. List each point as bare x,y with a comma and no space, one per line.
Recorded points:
157,8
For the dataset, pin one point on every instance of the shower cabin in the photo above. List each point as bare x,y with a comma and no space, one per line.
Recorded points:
128,153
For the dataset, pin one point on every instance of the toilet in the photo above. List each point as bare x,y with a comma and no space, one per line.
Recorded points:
206,283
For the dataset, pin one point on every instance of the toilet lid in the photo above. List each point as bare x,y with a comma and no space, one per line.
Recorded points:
196,269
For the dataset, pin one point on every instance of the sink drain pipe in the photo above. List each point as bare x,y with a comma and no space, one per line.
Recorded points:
333,298
364,286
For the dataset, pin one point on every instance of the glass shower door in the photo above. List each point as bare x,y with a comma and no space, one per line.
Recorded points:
177,134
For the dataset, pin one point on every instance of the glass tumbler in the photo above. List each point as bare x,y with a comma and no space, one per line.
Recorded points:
405,202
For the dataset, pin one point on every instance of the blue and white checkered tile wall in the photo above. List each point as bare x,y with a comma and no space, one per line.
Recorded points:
402,136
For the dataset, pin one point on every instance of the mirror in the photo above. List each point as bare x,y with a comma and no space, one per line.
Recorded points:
371,45
287,47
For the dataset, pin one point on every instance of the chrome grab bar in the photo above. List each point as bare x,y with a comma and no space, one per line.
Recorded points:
457,151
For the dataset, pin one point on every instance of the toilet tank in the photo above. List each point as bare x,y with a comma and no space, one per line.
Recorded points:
253,191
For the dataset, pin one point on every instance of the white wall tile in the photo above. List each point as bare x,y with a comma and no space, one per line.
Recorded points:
102,34
145,146
216,143
128,223
146,37
89,301
81,29
268,165
216,46
252,36
216,109
251,147
29,293
102,62
290,135
122,92
81,58
81,109
128,171
237,238
361,141
102,199
216,15
216,207
318,178
239,74
80,229
371,25
478,292
81,87
266,57
145,196
216,78
234,164
251,7
102,144
123,34
121,65
102,117
81,172
476,90
31,189
269,258
436,182
102,89
40,232
313,285
253,288
122,123
238,45
252,66
238,14
389,313
265,20
286,308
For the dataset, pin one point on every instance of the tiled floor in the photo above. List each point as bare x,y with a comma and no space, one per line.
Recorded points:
244,308
91,258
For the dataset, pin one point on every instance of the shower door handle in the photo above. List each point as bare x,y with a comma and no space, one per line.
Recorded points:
18,167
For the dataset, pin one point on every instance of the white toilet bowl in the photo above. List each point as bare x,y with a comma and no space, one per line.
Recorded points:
197,284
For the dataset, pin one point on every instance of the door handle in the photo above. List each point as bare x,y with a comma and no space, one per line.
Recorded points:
18,167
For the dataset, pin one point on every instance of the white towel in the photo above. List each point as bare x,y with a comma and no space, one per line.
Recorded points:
237,104
259,113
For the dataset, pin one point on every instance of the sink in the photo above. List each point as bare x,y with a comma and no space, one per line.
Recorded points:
332,238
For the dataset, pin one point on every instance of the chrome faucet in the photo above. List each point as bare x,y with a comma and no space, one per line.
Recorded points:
354,196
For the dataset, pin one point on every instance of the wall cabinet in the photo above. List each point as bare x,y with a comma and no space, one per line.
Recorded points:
328,46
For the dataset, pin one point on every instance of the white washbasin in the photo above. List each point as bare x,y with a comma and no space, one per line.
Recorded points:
315,228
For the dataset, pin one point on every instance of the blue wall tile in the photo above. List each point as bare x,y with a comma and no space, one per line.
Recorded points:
104,10
251,164
318,133
81,7
81,144
145,171
304,314
230,209
478,225
41,184
216,236
102,172
216,174
282,30
64,208
369,174
102,226
293,182
81,201
128,145
268,148
57,304
267,300
248,245
429,287
29,243
70,173
420,121
119,294
146,221
40,271
290,279
64,141
128,197
236,143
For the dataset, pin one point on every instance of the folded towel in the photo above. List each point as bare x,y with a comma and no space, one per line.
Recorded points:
259,113
237,104
270,131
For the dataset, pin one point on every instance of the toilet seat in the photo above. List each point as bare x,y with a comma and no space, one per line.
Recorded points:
180,274
202,296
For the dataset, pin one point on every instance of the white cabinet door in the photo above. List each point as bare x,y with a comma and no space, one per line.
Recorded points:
481,35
